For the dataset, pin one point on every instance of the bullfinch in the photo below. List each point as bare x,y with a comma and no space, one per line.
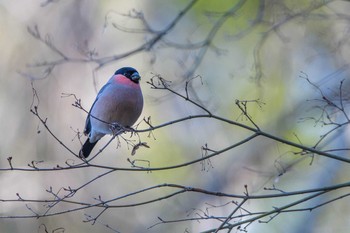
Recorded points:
118,103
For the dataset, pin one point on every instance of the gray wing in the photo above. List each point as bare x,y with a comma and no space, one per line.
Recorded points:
87,129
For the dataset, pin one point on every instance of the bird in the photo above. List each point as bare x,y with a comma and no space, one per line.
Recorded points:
118,103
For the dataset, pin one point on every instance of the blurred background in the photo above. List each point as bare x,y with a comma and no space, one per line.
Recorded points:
246,50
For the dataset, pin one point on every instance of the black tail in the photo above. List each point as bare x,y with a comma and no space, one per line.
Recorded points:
87,148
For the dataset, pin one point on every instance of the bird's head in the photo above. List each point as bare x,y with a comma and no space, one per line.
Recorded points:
129,73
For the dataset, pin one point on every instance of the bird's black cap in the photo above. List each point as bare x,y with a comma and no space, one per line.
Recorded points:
130,73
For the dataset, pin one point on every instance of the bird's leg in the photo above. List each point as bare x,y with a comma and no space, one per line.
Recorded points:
116,128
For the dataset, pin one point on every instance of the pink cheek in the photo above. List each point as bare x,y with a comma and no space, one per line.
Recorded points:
121,79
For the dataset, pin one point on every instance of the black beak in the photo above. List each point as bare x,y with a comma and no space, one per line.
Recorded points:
135,77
